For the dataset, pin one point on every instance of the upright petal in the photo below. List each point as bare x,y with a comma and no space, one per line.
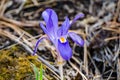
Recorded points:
76,38
43,28
51,37
64,50
63,30
51,19
80,15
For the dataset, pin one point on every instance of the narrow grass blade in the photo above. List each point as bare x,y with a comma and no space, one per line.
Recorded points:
41,73
36,71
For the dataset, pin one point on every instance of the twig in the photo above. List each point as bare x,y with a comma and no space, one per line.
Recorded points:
116,15
110,29
110,75
117,52
85,52
83,76
118,69
112,38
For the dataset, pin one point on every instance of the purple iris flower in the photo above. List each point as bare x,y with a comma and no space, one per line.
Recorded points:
58,35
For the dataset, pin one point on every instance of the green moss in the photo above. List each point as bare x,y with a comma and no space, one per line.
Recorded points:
15,64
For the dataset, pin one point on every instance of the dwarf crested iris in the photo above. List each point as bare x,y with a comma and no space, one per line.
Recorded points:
58,35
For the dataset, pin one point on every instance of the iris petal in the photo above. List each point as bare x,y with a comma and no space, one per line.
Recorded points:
51,19
37,43
63,30
80,15
64,50
51,37
43,28
76,38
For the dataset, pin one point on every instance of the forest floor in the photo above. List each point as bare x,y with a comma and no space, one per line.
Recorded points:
98,59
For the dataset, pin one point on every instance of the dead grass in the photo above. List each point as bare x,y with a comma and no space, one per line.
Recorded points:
97,60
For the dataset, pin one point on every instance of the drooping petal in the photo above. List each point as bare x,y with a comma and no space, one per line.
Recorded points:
76,38
80,15
37,43
63,30
51,19
64,50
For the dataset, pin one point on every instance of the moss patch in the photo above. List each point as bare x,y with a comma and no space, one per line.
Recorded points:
15,64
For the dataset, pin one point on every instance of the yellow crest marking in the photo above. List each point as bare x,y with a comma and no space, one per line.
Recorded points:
62,40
